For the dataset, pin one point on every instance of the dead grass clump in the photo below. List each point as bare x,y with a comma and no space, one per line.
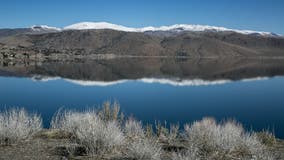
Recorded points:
16,124
144,149
267,138
226,140
97,135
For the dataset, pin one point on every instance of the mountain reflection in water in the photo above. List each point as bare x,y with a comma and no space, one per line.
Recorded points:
175,90
120,69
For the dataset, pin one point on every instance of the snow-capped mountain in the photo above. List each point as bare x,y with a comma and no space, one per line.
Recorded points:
173,41
176,27
172,28
99,25
44,28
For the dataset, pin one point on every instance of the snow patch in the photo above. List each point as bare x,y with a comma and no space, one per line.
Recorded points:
44,28
98,25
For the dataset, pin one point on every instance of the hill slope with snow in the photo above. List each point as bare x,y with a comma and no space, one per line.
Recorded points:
176,27
182,40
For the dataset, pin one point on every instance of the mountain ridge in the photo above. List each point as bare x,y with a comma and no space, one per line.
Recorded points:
52,43
172,28
175,27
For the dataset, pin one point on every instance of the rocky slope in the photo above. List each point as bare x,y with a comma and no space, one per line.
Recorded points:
178,42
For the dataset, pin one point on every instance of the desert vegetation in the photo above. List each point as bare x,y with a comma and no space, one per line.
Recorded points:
107,134
16,124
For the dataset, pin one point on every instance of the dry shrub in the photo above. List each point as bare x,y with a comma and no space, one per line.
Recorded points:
97,135
140,145
190,154
267,138
133,129
224,141
16,124
103,132
110,112
144,149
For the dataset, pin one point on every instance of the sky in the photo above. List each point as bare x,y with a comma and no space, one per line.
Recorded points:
259,15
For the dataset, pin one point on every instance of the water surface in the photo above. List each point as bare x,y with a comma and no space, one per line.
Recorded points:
178,93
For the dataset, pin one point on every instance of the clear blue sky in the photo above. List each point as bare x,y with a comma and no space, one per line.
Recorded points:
263,15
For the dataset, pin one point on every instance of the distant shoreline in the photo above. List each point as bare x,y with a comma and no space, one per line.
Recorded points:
34,57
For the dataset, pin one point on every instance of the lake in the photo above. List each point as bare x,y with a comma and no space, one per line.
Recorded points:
176,91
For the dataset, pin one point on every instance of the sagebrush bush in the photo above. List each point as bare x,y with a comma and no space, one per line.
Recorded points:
103,131
226,140
97,135
161,130
16,124
267,138
110,112
173,133
134,129
190,154
103,134
144,149
140,145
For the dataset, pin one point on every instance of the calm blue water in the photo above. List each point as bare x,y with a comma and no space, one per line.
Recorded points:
257,104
